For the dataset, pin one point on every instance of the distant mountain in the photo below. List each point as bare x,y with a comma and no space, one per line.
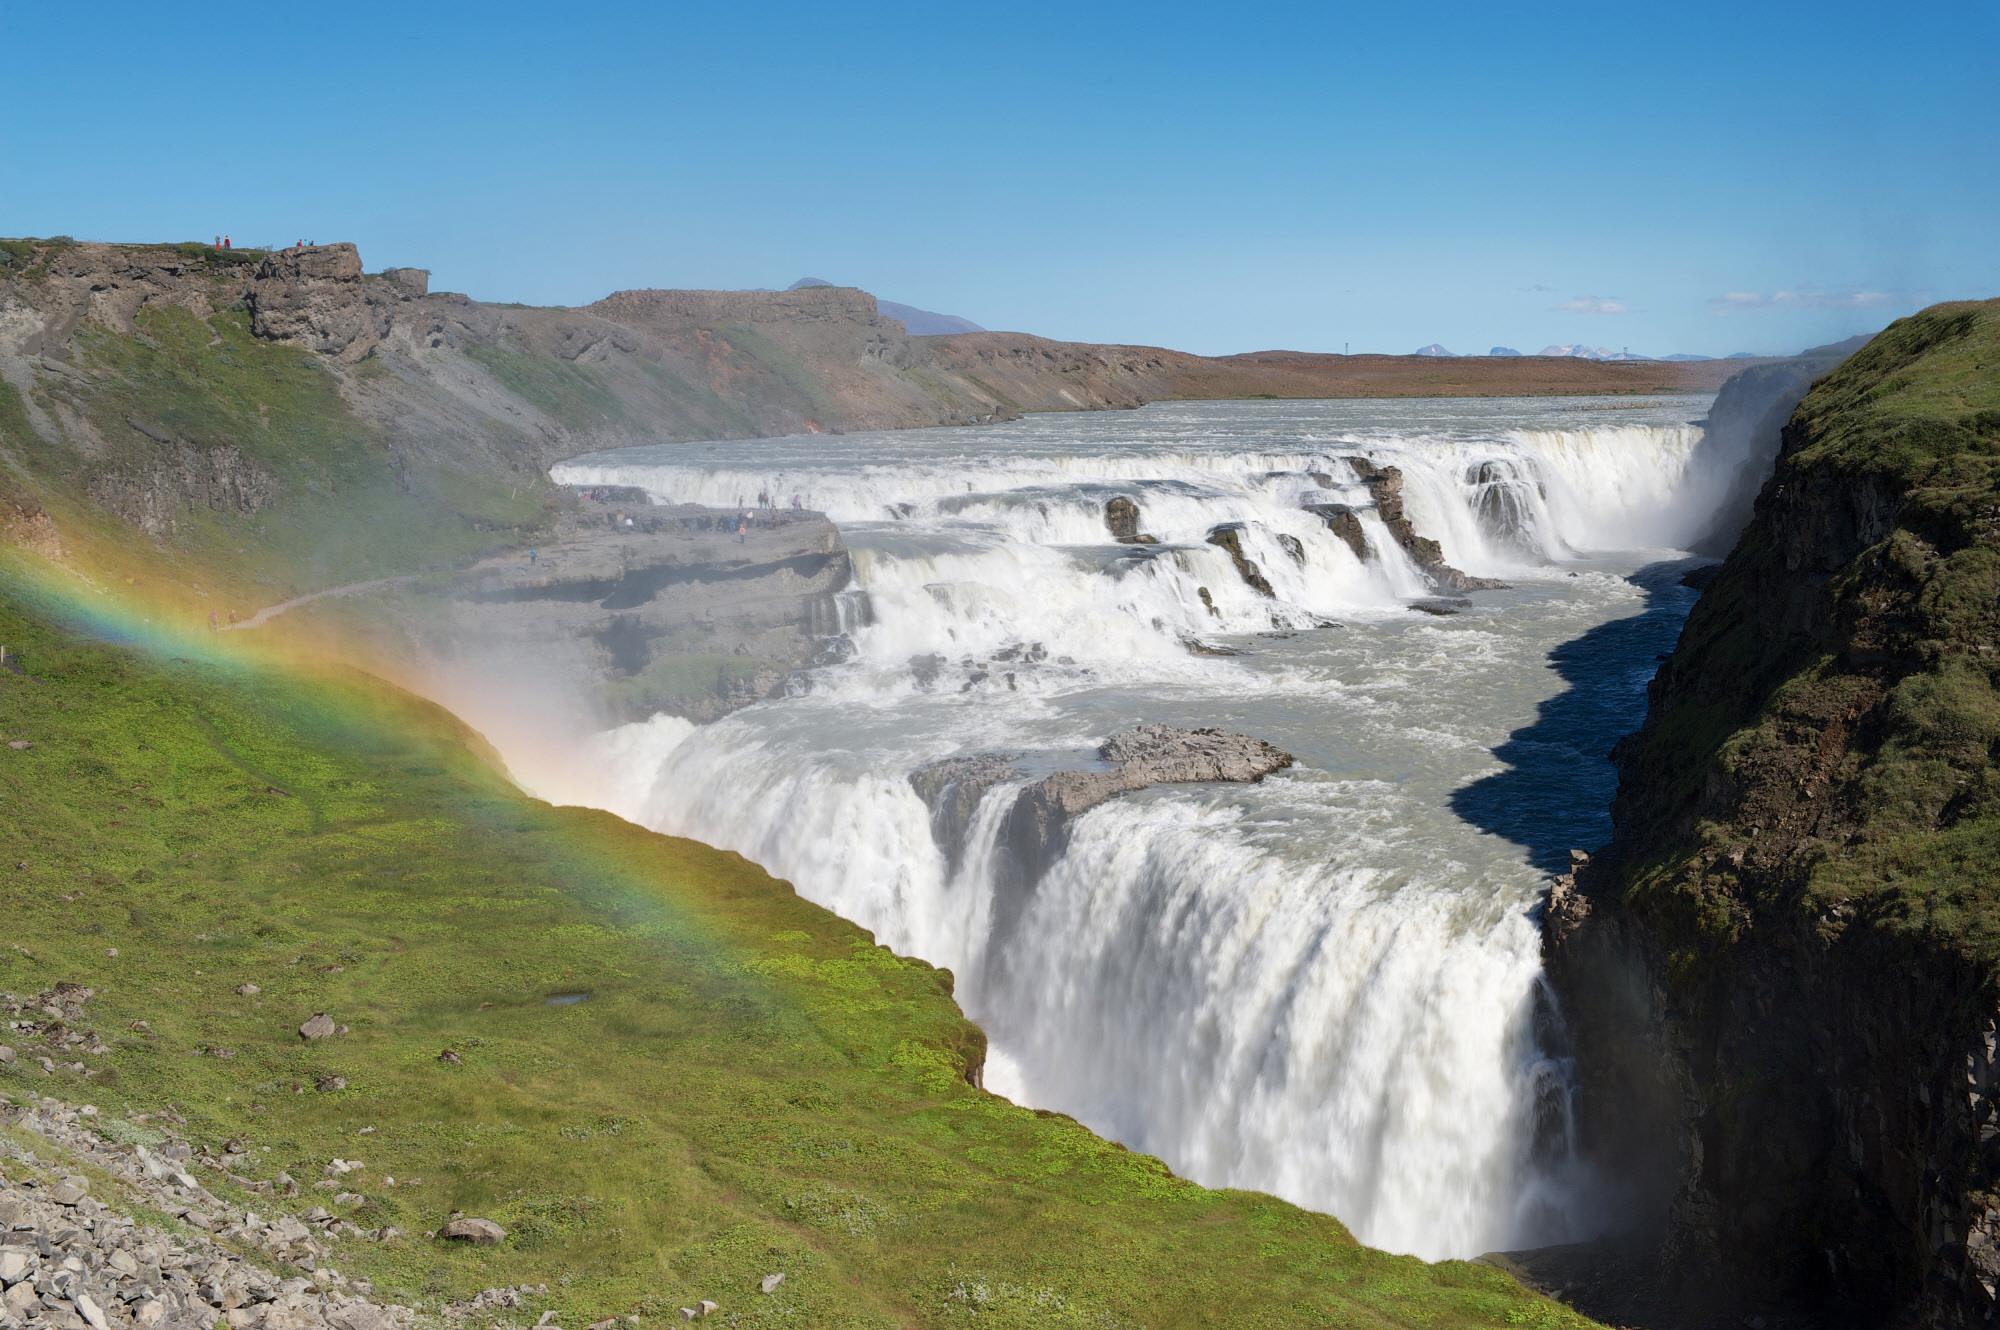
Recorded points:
1682,355
1579,351
1843,348
1503,351
1743,355
917,322
1432,350
924,323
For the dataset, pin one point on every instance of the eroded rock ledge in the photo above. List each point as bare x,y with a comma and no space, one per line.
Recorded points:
641,608
1385,483
1037,826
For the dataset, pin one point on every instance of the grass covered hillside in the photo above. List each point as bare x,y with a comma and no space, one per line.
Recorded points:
191,451
1835,691
736,1082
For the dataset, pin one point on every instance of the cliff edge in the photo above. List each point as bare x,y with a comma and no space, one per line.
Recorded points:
1783,974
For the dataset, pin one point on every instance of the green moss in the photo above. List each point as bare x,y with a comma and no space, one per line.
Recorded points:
1827,738
24,254
751,1085
208,255
795,385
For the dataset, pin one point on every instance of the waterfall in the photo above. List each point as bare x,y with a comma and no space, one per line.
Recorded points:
1325,985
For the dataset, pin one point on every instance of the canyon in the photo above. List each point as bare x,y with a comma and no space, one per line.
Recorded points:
1762,1002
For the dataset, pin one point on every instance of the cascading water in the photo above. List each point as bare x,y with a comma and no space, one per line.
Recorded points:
1326,985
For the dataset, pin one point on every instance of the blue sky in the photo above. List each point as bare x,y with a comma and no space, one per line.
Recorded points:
1696,177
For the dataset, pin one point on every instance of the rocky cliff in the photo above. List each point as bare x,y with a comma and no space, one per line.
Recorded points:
623,611
1783,974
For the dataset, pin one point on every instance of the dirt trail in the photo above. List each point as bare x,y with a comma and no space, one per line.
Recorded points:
270,612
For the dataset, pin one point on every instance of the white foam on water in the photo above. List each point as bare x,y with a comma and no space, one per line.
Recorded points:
1325,985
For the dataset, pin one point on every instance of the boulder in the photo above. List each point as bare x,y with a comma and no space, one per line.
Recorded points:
1121,518
476,1232
1229,538
1344,523
87,1308
1145,755
321,1026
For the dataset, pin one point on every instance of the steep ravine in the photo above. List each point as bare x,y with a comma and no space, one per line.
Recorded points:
1781,973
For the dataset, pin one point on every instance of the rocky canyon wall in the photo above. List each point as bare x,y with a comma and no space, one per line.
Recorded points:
1781,973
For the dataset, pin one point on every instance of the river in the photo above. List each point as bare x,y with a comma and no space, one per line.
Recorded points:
1326,985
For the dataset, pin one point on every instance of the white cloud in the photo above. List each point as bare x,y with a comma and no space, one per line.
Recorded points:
1731,301
1590,305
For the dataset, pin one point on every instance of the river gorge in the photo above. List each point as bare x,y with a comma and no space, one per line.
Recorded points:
1326,984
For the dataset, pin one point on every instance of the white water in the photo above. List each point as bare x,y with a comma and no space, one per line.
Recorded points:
1325,985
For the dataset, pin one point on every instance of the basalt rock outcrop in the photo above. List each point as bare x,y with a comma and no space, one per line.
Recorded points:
173,478
1782,976
1229,539
1341,519
1037,825
1385,485
639,607
319,298
1121,519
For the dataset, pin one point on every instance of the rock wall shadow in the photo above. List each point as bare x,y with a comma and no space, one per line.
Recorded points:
1555,794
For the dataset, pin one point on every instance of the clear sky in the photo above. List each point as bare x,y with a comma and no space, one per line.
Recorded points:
1695,176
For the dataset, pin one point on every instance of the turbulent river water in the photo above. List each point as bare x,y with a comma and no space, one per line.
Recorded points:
1326,985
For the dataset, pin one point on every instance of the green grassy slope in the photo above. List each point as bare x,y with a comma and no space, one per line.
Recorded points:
1831,718
347,505
751,1085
